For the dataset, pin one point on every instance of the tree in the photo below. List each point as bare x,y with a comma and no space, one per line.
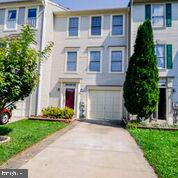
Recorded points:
19,64
141,92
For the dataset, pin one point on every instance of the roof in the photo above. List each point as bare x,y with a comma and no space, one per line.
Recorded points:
56,2
91,12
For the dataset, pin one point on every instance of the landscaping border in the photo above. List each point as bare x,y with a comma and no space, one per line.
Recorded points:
52,119
157,128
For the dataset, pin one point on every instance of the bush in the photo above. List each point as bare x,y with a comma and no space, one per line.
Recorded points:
133,124
141,91
56,112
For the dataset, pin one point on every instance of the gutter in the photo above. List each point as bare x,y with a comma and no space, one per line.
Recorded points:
92,11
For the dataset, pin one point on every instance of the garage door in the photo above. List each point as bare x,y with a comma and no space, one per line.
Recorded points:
20,109
106,105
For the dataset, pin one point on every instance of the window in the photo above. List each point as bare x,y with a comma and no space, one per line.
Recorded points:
11,20
94,64
117,25
158,15
32,17
71,61
116,61
160,53
96,26
73,26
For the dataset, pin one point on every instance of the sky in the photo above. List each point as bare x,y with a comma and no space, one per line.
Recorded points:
93,4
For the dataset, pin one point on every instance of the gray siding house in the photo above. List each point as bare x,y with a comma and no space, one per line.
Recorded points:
164,17
39,14
87,67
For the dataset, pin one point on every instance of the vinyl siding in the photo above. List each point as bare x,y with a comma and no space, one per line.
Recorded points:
167,35
83,43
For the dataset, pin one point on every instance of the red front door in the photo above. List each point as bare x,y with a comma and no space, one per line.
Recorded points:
70,98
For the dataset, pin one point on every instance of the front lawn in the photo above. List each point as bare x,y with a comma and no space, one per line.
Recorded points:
161,150
23,134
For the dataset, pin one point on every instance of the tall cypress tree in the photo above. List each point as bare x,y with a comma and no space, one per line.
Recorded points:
141,91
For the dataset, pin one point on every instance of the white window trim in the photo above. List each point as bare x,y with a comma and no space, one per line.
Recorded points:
123,56
79,21
37,15
102,23
6,16
101,60
164,6
111,24
165,51
66,58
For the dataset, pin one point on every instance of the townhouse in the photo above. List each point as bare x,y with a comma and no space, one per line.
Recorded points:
164,17
89,61
38,14
87,67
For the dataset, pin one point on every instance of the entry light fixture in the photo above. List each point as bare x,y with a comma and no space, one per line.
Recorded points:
82,90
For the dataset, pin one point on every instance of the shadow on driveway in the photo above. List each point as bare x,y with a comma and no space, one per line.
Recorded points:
112,123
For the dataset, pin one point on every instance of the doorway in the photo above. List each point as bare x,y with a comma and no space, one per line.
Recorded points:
70,98
162,104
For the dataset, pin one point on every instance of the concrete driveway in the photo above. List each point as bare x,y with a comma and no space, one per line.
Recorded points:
91,150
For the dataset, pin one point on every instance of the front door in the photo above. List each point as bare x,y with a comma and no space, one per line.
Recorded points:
162,104
70,97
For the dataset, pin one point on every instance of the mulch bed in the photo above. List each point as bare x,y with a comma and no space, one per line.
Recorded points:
158,128
52,119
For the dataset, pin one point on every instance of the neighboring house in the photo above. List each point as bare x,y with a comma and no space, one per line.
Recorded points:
39,14
164,18
87,67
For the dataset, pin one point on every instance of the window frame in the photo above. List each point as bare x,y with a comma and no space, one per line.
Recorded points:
111,25
26,15
6,18
89,57
66,60
90,28
68,21
122,49
164,17
165,56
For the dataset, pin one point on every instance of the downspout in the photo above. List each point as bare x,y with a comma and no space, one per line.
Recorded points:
39,67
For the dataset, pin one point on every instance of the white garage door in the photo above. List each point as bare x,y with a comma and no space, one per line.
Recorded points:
106,105
20,109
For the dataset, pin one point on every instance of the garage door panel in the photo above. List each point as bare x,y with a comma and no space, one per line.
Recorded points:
20,109
105,104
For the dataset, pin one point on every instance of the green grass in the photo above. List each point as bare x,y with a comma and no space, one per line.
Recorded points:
23,134
161,150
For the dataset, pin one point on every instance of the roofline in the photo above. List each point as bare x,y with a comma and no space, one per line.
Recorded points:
20,1
92,11
58,5
20,4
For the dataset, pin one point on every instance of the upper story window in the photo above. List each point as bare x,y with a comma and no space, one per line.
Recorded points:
73,30
116,60
71,61
32,17
117,25
158,15
11,19
95,61
96,23
160,53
